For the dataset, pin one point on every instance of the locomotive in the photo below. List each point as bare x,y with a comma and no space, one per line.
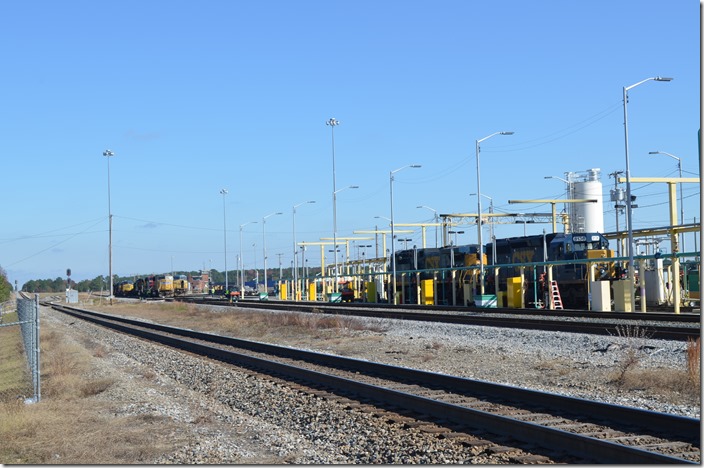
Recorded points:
181,285
450,266
153,286
572,277
435,263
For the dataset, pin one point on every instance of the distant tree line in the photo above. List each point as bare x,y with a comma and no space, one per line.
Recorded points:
61,284
101,283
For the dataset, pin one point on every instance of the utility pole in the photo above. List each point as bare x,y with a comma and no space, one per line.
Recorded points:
617,195
280,271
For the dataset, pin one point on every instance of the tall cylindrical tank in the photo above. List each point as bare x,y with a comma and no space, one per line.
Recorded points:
587,216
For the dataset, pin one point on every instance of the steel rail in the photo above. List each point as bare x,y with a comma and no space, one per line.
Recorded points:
543,322
686,317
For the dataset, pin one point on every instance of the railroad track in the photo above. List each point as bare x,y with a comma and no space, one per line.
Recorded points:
655,325
587,430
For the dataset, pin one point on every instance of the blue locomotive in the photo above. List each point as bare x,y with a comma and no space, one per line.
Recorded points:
451,267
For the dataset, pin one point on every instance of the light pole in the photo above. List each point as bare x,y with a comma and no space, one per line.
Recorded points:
364,260
679,167
436,221
629,208
109,154
256,272
524,225
332,123
455,233
334,225
224,227
385,250
295,256
393,247
491,226
480,247
406,241
242,261
266,285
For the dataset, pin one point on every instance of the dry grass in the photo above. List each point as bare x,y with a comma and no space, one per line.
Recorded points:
674,385
70,426
636,338
70,432
15,380
247,324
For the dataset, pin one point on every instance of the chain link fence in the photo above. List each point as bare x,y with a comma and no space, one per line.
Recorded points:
19,351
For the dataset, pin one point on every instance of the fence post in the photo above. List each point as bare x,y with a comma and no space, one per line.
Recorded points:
36,370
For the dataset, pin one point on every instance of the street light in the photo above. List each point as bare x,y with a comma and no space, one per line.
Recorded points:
405,242
295,256
108,154
334,226
629,208
679,167
524,225
491,225
479,213
455,233
332,123
393,248
242,261
224,227
436,221
266,285
364,258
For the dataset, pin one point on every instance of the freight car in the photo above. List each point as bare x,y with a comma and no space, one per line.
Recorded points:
449,267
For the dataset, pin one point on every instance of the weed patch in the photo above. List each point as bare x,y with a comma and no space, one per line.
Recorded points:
635,339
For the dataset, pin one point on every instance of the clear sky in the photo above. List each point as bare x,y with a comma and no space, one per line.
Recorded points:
193,97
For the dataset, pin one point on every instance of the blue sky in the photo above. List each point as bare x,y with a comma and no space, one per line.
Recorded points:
193,97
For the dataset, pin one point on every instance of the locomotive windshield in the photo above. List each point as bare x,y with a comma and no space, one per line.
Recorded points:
581,243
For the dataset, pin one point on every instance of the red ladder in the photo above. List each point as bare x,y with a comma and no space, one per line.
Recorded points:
555,293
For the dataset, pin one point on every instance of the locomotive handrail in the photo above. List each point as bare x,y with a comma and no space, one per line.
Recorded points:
530,264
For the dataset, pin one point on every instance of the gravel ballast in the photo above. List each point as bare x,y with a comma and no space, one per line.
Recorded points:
228,416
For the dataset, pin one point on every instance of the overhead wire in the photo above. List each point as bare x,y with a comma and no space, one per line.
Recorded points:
54,245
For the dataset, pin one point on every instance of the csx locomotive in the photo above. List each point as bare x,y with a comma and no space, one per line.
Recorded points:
572,277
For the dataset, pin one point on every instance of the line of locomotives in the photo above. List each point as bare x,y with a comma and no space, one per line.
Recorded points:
153,286
572,278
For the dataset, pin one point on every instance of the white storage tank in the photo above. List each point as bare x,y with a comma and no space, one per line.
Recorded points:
586,217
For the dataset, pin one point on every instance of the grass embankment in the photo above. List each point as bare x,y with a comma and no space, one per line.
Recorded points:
68,425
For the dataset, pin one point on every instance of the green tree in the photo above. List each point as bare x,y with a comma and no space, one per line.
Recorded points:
5,286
